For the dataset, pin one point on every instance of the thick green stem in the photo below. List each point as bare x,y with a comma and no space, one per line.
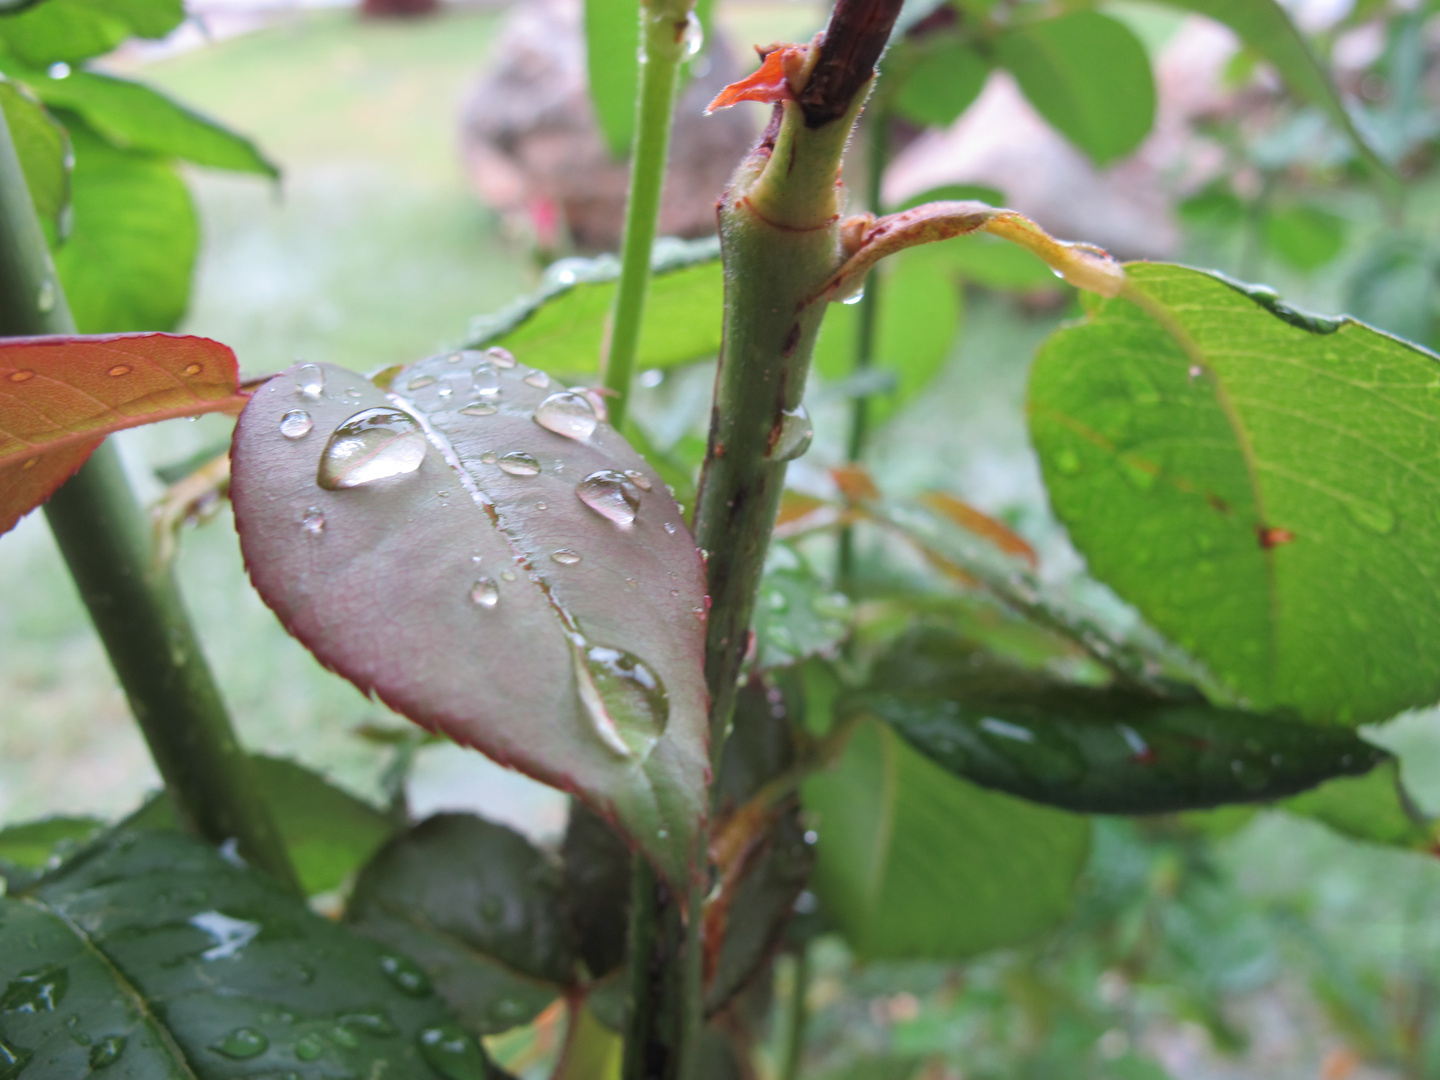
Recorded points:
105,537
663,44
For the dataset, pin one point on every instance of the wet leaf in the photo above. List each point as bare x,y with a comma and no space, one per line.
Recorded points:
488,576
796,614
1258,482
914,862
480,909
563,328
1102,750
29,848
59,396
153,953
44,151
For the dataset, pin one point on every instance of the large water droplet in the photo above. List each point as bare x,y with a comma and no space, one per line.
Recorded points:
500,357
296,424
372,445
519,463
855,297
480,408
565,557
451,1053
420,382
406,975
624,699
693,38
310,381
35,991
567,414
611,495
107,1051
795,435
486,380
485,593
538,379
241,1044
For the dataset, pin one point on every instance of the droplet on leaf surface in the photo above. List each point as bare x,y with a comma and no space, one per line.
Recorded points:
406,975
565,557
611,495
296,424
519,463
313,521
486,380
374,444
624,698
310,381
538,379
500,357
485,593
107,1051
241,1044
118,370
568,414
451,1053
481,408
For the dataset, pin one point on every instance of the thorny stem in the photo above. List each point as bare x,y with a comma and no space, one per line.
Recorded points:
106,541
663,43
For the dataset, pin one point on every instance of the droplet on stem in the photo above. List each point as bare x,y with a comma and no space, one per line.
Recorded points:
374,444
693,37
795,435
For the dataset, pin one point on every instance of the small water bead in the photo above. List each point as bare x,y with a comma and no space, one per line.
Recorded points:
542,506
296,424
313,521
35,992
623,697
309,1048
489,457
567,413
352,392
519,463
420,382
242,1044
537,379
46,300
670,528
310,381
480,408
500,357
372,445
22,376
485,593
507,575
486,380
452,1053
796,432
406,975
565,557
611,495
107,1051
118,370
639,479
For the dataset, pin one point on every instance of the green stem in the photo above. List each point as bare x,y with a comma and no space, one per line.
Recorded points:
104,535
791,1063
663,41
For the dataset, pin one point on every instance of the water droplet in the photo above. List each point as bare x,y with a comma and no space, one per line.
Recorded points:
485,593
670,528
313,521
639,479
663,834
651,378
13,1059
451,1053
1195,372
35,991
486,380
481,408
611,495
693,38
519,463
194,369
420,382
1373,516
368,1023
46,300
344,1037
855,297
489,457
241,1044
500,357
107,1051
309,1047
624,699
118,370
372,445
507,575
538,379
230,935
567,414
296,424
21,376
565,557
542,506
58,70
406,975
310,381
795,435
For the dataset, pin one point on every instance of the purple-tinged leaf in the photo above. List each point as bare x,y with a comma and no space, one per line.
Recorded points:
481,551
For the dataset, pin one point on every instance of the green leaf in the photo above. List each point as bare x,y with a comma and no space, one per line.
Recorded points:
126,264
563,328
551,599
597,870
940,83
612,45
1373,807
479,909
68,30
132,116
914,862
1094,750
1258,482
797,615
153,953
44,151
29,848
1307,237
1088,75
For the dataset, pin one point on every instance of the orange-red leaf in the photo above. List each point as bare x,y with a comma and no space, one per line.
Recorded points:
981,524
769,83
60,396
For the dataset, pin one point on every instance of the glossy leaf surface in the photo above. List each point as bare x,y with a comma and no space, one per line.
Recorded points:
127,261
563,328
516,588
479,909
1089,76
1259,483
152,956
132,116
44,151
1095,750
59,396
914,862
